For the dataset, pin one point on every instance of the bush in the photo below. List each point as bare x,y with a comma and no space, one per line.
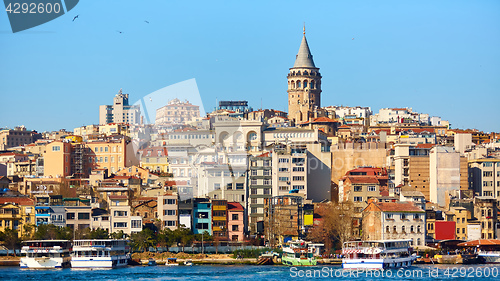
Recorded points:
250,253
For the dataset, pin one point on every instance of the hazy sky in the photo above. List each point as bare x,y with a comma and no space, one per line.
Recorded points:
438,57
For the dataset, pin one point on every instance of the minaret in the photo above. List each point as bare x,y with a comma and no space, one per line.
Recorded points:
304,85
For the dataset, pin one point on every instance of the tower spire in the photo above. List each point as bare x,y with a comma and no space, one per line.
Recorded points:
304,28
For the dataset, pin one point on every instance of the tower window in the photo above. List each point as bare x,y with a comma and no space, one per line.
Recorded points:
305,84
312,84
298,84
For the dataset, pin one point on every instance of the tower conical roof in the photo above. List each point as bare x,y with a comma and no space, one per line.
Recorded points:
304,57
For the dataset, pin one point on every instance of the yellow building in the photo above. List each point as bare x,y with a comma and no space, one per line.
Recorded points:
16,212
154,159
62,159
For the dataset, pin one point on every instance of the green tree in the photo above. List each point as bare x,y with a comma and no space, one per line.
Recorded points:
118,235
99,234
50,231
143,240
11,239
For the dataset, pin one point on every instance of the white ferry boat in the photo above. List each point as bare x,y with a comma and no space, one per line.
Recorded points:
103,253
46,254
381,254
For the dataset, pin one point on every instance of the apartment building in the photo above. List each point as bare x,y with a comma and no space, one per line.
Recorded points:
235,221
484,177
177,112
394,220
168,211
120,111
16,212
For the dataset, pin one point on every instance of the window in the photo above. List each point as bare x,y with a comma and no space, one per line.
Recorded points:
283,178
169,212
372,188
235,228
216,186
358,199
298,169
298,178
253,182
168,201
83,216
56,148
487,173
200,225
417,216
283,160
229,186
403,216
387,230
120,213
136,224
70,216
284,169
267,182
358,188
388,216
239,186
403,229
418,228
254,172
487,164
120,224
412,229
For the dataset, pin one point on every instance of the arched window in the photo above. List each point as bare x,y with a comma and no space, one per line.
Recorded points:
418,229
412,229
387,229
418,241
298,84
312,84
305,84
298,72
305,72
403,229
394,230
293,84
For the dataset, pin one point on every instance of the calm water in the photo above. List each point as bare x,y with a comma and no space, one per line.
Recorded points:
256,273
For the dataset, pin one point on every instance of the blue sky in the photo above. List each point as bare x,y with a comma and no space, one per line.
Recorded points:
438,57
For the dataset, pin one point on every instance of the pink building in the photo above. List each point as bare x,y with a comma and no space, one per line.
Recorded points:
235,221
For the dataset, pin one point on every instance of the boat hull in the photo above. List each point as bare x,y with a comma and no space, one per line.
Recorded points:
97,262
377,263
299,262
490,258
43,263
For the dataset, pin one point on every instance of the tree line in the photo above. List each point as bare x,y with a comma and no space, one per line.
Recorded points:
140,241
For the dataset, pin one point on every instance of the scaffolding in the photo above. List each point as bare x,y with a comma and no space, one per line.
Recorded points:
78,159
285,218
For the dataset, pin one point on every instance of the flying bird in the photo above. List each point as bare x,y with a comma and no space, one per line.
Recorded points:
75,17
119,31
146,21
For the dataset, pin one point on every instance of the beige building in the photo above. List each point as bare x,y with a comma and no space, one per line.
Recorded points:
394,220
486,212
168,210
120,111
177,112
484,177
17,137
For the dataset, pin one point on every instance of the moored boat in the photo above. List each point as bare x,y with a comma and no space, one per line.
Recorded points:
103,253
380,254
41,254
299,253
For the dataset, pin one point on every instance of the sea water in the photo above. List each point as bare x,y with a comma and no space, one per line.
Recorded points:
255,273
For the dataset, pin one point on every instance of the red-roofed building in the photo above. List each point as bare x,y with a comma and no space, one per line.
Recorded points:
394,220
15,212
361,184
235,221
